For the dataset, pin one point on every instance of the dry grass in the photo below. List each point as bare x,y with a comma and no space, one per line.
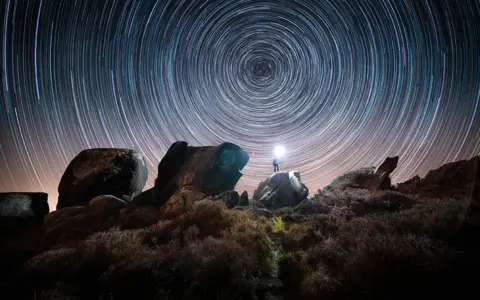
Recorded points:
370,246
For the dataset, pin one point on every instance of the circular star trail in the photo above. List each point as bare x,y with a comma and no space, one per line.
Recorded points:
340,84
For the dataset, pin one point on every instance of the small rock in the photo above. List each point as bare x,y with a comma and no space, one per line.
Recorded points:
230,198
243,201
261,212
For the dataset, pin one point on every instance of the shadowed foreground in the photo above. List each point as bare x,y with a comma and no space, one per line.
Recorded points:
353,240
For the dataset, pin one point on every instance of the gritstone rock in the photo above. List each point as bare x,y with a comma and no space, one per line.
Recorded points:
144,198
210,169
380,180
106,171
457,179
281,189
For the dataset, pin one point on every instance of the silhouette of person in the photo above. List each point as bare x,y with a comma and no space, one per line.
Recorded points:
275,165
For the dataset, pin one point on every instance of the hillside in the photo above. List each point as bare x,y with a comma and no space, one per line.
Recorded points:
193,237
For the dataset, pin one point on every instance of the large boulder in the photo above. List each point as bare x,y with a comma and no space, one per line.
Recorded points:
144,198
104,171
210,169
23,205
281,189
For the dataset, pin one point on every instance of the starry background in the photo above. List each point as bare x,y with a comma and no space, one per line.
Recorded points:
341,84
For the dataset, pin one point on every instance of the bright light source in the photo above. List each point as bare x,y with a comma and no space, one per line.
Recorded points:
279,151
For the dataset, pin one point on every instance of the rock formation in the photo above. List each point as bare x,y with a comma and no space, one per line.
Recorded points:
181,202
380,180
144,198
210,169
281,189
243,201
106,171
457,179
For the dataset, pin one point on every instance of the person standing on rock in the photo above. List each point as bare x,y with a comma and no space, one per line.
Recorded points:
275,164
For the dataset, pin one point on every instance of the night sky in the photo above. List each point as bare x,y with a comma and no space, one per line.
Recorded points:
340,84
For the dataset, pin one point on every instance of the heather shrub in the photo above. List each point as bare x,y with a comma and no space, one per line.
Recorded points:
363,202
209,252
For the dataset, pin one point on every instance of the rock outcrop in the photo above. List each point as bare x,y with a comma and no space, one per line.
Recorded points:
144,198
281,189
210,169
457,179
380,180
244,200
181,202
104,171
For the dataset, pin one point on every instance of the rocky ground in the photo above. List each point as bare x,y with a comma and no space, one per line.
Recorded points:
192,237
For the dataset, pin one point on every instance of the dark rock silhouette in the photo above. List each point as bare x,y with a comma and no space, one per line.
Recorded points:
105,171
380,179
457,179
230,198
144,198
388,166
281,189
244,201
210,169
24,205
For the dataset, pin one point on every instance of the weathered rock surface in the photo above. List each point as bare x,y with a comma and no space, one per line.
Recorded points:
181,202
24,205
281,189
457,179
380,180
104,171
210,169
